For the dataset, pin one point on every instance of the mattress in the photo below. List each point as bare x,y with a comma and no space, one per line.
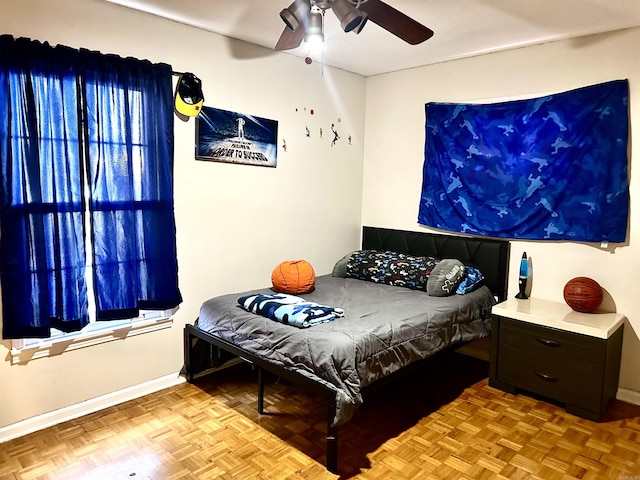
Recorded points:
384,329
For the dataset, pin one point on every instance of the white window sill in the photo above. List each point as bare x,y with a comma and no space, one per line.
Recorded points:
119,330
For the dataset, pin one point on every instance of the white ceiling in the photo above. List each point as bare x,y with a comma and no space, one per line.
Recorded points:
462,28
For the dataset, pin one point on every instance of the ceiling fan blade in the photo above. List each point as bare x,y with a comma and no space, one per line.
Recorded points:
396,22
290,39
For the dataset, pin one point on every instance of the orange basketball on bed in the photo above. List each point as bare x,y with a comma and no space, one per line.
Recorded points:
293,276
583,294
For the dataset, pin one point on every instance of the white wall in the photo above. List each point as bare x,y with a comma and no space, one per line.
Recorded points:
393,161
235,222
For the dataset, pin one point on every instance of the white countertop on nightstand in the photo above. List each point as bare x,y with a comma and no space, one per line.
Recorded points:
560,316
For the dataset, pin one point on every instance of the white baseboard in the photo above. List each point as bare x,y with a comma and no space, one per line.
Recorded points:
49,419
629,396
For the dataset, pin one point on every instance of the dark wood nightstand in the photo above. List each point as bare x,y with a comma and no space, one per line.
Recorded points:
545,348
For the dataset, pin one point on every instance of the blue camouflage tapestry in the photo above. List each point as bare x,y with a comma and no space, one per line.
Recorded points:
553,167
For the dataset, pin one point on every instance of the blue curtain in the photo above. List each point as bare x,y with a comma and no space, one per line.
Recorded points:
131,185
42,243
66,120
551,168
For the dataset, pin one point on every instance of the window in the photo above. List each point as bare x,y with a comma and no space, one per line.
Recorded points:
96,331
88,233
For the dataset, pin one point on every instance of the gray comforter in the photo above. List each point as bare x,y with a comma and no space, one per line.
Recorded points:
384,329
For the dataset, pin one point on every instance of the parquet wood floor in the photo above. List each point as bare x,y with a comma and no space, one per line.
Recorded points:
211,429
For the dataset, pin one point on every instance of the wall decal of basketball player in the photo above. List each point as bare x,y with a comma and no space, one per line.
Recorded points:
336,137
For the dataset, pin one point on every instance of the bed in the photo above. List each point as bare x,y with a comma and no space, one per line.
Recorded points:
384,327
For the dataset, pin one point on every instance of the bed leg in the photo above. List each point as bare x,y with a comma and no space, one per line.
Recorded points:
332,440
260,391
188,355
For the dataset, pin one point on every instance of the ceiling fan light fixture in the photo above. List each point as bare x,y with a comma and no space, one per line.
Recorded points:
296,14
350,17
314,31
359,28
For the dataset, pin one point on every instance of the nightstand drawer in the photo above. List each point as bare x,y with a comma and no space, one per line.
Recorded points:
579,354
567,382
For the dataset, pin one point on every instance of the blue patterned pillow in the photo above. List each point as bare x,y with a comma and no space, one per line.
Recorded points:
391,268
472,280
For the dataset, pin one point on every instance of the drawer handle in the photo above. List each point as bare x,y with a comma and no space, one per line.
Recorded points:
545,377
548,343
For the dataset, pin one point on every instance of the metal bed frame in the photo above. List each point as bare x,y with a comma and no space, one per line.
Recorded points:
490,256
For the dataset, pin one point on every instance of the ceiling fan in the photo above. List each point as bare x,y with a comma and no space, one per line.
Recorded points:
304,19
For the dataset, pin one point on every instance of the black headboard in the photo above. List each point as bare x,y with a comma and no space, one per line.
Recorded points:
490,256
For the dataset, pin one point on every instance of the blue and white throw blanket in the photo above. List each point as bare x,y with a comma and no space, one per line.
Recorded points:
289,309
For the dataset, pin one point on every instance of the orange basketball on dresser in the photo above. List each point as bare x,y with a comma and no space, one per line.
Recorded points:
583,294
